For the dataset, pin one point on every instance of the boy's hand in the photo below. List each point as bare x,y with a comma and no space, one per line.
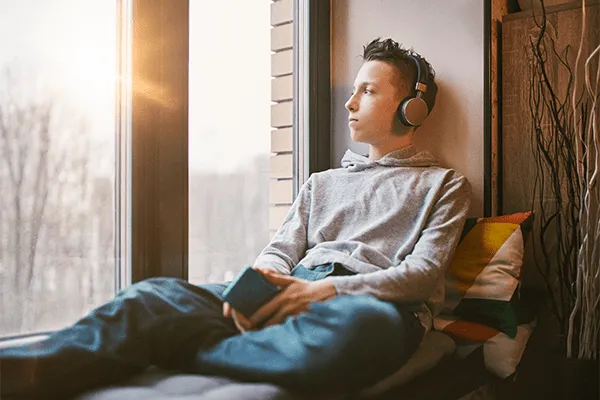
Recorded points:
240,320
296,296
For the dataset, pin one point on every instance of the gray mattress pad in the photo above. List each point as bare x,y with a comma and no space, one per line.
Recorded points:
157,384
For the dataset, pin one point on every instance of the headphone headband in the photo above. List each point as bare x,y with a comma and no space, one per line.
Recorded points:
422,72
413,110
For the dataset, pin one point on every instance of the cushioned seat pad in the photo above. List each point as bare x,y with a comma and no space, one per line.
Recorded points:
161,385
157,384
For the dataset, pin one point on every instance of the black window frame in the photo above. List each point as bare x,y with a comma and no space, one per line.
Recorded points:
312,89
159,159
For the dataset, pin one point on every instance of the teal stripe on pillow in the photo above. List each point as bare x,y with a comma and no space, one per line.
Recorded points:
497,314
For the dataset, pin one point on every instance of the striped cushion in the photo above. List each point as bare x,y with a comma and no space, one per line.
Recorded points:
482,305
483,277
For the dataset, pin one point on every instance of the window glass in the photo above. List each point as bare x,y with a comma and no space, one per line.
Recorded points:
229,136
57,140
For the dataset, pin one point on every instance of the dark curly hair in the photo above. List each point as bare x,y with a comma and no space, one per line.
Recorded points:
390,51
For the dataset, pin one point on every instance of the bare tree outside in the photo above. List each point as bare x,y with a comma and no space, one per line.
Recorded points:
56,213
52,242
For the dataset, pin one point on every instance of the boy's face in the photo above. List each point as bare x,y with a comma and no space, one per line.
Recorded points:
372,106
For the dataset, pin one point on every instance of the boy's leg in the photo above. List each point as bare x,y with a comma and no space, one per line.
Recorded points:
344,344
150,322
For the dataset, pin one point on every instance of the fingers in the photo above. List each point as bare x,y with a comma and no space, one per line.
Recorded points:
241,322
226,310
264,271
286,296
266,310
272,310
275,277
280,279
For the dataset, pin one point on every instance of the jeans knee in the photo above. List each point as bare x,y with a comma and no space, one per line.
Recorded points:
159,281
366,314
147,287
359,331
356,322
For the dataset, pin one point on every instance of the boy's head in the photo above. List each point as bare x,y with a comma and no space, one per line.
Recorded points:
387,77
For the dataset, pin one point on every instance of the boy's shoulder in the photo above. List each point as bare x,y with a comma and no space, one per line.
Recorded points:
428,175
430,169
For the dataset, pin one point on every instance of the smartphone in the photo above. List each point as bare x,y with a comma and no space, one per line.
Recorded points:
249,291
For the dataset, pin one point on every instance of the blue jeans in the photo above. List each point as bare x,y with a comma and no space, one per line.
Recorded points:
343,344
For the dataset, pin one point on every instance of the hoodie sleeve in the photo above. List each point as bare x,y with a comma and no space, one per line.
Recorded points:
416,277
289,244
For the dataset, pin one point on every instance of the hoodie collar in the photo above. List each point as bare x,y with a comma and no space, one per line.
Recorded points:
404,157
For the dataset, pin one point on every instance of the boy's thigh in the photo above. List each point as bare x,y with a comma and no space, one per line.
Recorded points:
367,316
345,343
365,339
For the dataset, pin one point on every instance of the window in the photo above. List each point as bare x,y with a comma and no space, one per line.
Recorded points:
57,163
118,185
229,136
253,140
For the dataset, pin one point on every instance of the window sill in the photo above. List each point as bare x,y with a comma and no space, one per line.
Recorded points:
21,340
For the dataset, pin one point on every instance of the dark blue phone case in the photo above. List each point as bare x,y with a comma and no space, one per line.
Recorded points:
249,291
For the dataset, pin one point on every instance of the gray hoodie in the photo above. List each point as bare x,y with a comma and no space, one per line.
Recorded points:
395,222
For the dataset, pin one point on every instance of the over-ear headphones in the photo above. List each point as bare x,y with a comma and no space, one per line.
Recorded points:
413,110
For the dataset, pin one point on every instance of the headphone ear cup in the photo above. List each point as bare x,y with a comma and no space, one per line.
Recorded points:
400,111
413,111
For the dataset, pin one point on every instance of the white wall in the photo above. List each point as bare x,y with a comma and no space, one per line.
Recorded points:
450,35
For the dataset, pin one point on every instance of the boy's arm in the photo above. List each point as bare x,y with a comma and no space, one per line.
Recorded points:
289,244
417,276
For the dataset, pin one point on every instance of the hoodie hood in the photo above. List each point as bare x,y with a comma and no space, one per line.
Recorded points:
405,157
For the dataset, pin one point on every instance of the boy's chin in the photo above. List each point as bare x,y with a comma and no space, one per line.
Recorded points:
356,137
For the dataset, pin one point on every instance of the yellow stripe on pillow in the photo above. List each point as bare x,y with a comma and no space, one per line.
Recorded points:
499,279
475,252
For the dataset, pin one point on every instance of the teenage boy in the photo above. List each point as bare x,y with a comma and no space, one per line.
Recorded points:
360,259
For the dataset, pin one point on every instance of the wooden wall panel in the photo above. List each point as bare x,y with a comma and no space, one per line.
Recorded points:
564,25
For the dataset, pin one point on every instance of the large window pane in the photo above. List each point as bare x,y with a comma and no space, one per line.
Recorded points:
57,129
229,136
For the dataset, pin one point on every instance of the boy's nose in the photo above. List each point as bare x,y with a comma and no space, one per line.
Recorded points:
350,105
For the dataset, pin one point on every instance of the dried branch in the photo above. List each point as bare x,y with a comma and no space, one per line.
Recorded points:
565,145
